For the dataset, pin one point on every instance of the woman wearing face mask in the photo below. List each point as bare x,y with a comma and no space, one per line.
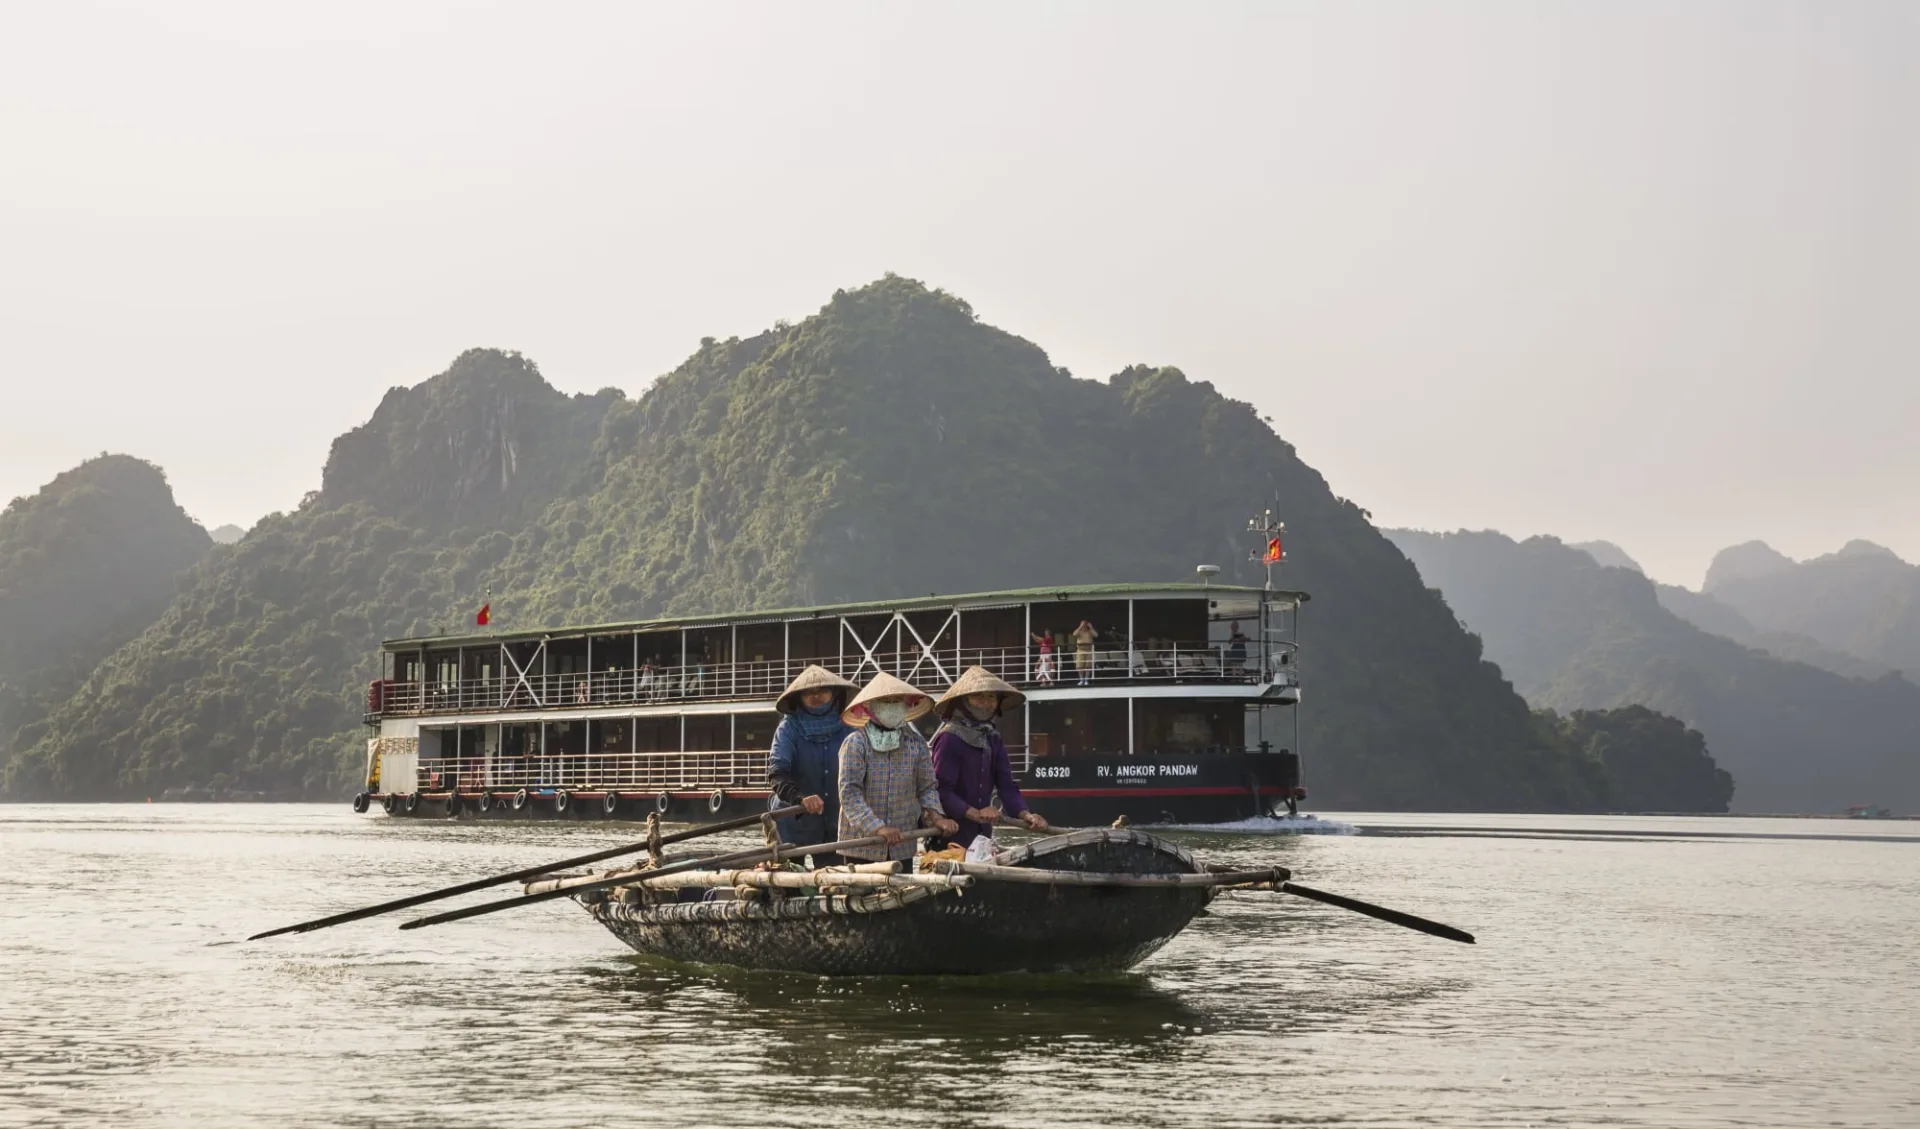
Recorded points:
886,773
970,757
805,758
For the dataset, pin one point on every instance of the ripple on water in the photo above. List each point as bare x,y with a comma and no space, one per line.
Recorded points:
1635,983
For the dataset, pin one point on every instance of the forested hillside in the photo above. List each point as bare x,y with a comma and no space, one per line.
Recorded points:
891,444
86,564
1577,635
249,677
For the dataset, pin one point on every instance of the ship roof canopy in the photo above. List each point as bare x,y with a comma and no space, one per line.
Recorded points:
905,604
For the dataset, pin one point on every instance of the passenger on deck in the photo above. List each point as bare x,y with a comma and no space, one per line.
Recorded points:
1237,650
1083,637
805,759
970,757
1043,666
886,772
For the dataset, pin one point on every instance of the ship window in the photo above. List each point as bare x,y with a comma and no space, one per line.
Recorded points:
519,740
1076,728
657,734
1173,725
753,732
814,641
566,738
709,733
613,735
762,643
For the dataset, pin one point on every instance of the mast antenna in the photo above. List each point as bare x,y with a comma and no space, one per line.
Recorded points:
1271,552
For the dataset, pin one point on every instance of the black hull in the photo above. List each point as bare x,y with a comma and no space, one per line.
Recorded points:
990,927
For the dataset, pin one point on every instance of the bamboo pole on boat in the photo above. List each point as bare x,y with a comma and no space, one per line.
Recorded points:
780,879
642,877
991,872
522,875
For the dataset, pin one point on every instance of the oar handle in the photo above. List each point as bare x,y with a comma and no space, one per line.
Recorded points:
522,875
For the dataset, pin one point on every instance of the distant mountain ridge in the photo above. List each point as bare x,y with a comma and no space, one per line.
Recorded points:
1862,600
1708,613
1578,635
888,445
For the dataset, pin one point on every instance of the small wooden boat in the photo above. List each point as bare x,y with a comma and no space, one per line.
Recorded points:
1097,900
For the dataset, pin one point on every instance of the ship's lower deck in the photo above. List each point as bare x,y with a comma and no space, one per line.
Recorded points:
1072,791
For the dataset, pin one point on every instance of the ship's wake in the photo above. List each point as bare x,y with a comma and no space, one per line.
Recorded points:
1271,825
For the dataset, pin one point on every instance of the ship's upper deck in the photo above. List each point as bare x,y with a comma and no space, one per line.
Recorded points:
1144,635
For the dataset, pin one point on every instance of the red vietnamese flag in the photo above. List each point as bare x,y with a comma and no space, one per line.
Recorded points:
485,615
1273,551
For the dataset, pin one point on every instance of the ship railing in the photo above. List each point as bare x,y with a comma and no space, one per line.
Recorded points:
1145,661
627,772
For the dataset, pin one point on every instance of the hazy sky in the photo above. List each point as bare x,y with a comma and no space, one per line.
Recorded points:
1646,272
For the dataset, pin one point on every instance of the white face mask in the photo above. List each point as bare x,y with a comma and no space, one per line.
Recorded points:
891,715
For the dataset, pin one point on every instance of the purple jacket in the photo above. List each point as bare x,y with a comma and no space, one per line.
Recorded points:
967,778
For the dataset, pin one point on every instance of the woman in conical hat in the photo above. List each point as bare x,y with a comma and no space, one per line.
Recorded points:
886,772
970,757
805,758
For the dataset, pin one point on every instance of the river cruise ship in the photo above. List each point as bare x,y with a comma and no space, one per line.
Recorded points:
1184,709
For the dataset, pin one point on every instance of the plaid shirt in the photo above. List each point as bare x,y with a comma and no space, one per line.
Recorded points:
885,790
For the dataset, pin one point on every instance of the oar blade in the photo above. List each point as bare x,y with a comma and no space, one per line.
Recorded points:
1382,913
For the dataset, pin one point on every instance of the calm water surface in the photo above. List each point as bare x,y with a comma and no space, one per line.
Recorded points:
1644,972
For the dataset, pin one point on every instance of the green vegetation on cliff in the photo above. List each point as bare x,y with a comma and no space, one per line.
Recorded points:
249,679
86,564
1576,635
889,445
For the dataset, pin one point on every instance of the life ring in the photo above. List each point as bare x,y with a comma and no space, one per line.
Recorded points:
520,800
390,804
484,803
413,801
663,801
453,805
361,802
716,800
610,803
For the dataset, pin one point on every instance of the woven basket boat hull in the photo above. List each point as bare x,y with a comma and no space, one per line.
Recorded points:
989,927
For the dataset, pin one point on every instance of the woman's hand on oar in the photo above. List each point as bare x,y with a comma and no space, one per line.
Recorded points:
639,877
1394,916
521,875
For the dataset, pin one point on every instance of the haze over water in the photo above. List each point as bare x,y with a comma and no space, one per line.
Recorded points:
1620,980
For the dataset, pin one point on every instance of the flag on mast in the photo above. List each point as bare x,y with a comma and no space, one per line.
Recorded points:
484,616
1273,551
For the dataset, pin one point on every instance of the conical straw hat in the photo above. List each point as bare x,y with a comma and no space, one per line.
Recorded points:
978,680
815,677
885,686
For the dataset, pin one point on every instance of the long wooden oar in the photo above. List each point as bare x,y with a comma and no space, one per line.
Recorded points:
637,877
521,875
1395,916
